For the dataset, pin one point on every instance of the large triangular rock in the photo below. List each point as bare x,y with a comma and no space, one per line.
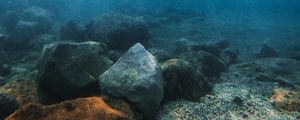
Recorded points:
137,77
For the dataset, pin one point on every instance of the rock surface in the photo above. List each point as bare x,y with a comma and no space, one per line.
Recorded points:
285,99
8,104
68,70
137,77
229,56
208,64
91,108
180,76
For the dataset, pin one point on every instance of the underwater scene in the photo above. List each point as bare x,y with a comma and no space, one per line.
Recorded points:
149,59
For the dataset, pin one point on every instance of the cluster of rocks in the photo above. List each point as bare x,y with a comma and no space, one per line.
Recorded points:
261,89
80,69
118,31
210,59
21,27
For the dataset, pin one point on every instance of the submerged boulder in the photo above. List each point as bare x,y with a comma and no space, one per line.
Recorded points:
229,56
286,71
120,31
266,52
72,31
137,77
180,76
8,104
161,55
68,70
207,64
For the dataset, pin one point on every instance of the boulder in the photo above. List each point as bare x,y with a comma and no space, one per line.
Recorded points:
8,104
208,64
9,21
137,77
286,71
39,41
161,55
72,31
68,70
42,17
181,81
120,31
266,52
229,56
214,48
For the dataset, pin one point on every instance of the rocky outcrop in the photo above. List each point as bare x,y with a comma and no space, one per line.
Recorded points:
136,77
68,70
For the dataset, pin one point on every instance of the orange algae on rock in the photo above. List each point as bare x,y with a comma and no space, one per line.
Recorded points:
90,108
288,100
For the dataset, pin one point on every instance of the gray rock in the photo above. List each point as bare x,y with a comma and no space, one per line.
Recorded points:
8,104
137,77
286,71
66,70
208,64
161,55
180,76
229,56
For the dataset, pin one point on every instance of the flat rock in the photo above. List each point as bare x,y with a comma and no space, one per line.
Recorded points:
137,77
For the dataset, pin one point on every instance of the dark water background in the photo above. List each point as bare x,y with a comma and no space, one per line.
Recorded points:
247,23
